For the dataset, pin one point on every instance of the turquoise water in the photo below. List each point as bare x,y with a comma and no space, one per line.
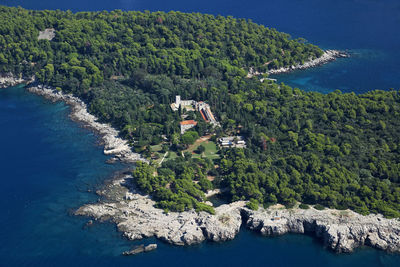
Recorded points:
50,166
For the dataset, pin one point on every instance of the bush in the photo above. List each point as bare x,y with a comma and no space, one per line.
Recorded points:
252,204
200,149
189,137
290,203
304,206
204,207
164,148
266,205
319,207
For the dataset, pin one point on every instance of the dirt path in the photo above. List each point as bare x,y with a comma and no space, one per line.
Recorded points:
198,142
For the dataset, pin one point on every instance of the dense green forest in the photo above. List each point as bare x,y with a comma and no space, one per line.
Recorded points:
338,150
91,50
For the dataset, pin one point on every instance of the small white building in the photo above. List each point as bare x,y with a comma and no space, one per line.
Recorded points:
186,125
232,141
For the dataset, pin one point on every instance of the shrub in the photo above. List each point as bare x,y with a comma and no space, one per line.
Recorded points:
252,204
200,149
319,207
304,206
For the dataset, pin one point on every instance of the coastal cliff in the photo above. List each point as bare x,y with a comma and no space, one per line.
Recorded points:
135,216
341,231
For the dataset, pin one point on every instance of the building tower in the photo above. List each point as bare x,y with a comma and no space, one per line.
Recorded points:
177,101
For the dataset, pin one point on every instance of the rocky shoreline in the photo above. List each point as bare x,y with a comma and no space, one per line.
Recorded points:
135,216
9,80
327,56
113,145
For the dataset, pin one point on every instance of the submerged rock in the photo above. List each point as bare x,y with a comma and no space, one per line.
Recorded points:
88,224
150,247
111,160
140,249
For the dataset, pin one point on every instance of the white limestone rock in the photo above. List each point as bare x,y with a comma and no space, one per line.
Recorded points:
9,80
328,55
341,231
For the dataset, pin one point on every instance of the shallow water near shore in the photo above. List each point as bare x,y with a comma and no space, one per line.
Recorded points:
48,163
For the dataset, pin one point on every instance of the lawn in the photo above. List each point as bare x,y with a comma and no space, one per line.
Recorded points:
156,148
211,149
171,155
210,152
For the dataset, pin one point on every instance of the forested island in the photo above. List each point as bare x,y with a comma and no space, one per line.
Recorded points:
334,150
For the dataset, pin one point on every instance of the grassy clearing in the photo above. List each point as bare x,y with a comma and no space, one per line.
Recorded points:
156,148
210,152
171,155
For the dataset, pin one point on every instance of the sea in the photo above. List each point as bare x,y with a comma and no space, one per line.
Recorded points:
50,165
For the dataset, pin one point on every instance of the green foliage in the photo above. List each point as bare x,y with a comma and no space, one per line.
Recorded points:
93,46
252,204
200,149
319,207
304,206
320,155
173,186
189,137
93,51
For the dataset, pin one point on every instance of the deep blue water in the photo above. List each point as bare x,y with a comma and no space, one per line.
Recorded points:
48,163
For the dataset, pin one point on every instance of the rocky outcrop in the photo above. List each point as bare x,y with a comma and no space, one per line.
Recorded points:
327,56
140,249
8,80
136,217
341,231
113,145
47,34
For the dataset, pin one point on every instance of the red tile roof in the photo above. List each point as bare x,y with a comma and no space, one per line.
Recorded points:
203,115
189,122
